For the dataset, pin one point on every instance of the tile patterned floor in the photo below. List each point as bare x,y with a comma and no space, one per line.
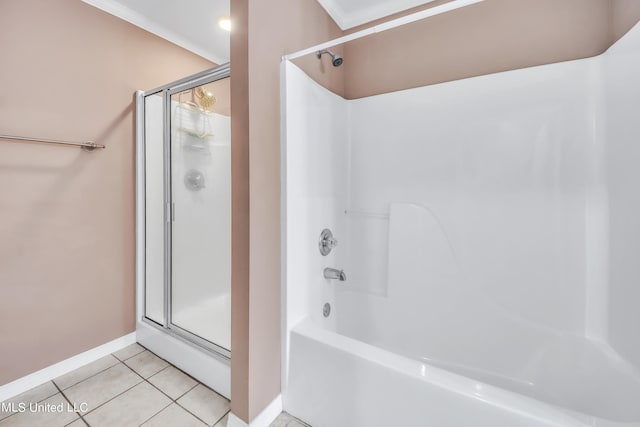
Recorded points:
131,387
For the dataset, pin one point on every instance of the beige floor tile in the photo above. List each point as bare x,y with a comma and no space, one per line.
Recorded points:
282,420
286,420
130,408
173,416
296,423
129,351
223,422
146,363
43,414
173,382
34,395
74,377
77,423
100,388
206,404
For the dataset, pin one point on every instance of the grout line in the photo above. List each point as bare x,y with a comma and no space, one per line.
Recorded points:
90,376
68,401
163,408
197,417
170,398
175,367
299,421
186,392
190,376
180,397
9,416
219,419
104,403
152,385
13,399
161,370
135,385
84,422
117,395
134,355
175,401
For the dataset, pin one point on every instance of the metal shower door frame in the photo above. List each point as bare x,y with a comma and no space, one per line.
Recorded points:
167,326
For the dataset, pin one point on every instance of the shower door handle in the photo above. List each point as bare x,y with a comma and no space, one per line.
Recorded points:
170,212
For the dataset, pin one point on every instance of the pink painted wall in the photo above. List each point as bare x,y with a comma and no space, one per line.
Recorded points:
67,232
262,32
488,37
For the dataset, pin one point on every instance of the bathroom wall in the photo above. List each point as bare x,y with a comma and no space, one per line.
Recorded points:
488,37
621,159
624,15
263,31
67,237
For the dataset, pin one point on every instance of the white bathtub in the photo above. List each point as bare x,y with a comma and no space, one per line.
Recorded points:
336,381
398,359
489,232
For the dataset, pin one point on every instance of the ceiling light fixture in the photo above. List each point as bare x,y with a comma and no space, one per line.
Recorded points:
225,23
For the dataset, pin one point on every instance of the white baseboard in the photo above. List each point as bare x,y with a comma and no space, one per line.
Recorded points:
30,381
264,418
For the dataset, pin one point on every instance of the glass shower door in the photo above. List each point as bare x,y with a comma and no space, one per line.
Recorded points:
200,213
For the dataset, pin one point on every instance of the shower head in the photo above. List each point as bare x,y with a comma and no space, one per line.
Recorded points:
336,60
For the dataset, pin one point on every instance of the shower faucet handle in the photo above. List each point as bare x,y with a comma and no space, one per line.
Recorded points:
334,274
327,242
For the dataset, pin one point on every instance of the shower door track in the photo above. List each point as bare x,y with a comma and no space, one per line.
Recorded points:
190,338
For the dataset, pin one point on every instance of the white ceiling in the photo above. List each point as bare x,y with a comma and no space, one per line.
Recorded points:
351,13
191,24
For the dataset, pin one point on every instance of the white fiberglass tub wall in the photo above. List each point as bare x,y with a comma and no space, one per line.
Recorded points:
474,218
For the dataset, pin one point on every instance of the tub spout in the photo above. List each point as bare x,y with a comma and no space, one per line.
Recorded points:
333,274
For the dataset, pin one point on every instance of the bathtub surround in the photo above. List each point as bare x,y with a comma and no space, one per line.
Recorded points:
68,216
487,229
263,30
621,157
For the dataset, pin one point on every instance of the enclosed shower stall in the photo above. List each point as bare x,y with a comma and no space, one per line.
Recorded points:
184,225
487,231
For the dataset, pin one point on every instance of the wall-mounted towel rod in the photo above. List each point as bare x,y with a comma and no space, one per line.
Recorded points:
86,146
